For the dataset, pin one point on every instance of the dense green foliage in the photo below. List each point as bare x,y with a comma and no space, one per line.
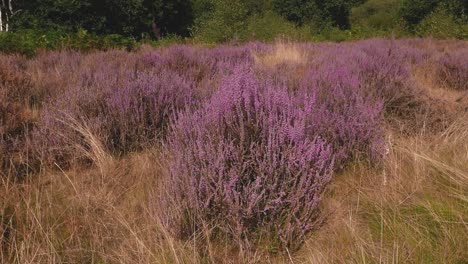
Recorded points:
442,24
101,24
29,41
318,12
375,14
125,17
413,12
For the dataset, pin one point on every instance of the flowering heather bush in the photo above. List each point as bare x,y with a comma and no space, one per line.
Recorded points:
201,67
385,75
125,114
16,116
187,62
246,163
344,114
125,99
197,64
226,58
388,74
14,82
452,70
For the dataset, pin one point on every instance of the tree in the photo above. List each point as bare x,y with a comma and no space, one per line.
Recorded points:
297,11
223,20
220,20
414,11
170,17
6,13
318,12
125,17
53,14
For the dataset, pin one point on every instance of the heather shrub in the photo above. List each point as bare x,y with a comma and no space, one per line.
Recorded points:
17,99
202,67
140,111
14,82
126,100
345,115
409,107
384,73
226,58
247,164
187,61
126,113
452,70
197,66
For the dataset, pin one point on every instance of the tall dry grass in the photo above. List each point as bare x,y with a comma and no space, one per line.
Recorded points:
282,52
92,216
414,211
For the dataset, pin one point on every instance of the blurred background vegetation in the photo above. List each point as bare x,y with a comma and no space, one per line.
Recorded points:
31,25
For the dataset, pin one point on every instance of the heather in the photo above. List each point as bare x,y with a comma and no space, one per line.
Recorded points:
190,153
248,163
452,70
126,115
348,113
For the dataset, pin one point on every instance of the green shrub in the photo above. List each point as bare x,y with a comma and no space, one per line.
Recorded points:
28,41
414,12
25,42
376,15
166,41
318,12
270,26
441,24
224,21
333,34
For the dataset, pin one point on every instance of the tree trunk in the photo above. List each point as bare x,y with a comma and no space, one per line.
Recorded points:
6,12
1,20
7,20
2,7
156,30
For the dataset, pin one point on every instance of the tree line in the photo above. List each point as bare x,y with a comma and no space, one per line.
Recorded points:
156,18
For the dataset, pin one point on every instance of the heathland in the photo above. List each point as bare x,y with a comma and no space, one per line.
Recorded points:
257,153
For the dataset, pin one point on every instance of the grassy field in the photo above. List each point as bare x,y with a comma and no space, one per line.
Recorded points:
99,153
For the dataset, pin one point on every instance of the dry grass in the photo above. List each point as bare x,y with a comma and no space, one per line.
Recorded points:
282,52
89,217
425,75
414,211
100,215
